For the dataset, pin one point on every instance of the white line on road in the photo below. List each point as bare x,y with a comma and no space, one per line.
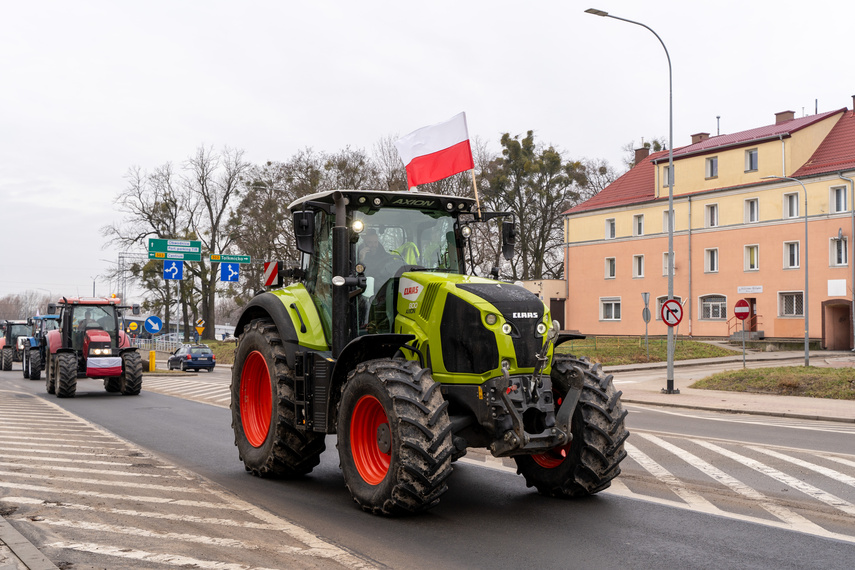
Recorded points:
830,473
170,559
137,498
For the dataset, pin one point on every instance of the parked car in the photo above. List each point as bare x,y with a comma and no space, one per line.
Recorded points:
192,357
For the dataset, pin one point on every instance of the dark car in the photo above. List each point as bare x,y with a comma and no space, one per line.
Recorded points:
192,357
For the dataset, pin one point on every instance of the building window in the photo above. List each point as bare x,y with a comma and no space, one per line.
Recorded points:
610,228
838,199
610,267
610,309
791,304
661,301
752,211
791,205
752,255
638,266
665,219
839,252
751,160
712,167
791,255
665,264
714,307
711,215
711,260
638,225
666,176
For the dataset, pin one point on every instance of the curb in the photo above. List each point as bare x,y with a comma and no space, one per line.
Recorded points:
23,549
743,412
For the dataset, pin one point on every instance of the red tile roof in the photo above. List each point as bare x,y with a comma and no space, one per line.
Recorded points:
836,152
635,186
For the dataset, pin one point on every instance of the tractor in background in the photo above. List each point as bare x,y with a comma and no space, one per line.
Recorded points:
91,343
35,346
10,351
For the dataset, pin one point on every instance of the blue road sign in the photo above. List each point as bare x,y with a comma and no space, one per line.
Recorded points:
173,269
153,325
229,271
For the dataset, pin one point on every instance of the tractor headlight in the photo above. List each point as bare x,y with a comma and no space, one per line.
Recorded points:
491,319
506,328
541,328
99,352
466,231
357,226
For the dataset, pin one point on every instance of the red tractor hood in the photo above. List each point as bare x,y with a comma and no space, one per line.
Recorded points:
95,336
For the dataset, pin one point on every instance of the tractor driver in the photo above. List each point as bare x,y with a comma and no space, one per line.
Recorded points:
380,266
87,321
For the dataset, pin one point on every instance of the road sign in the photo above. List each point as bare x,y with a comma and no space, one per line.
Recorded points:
741,310
173,270
672,312
229,271
153,325
271,274
200,322
645,314
132,325
218,258
199,330
177,249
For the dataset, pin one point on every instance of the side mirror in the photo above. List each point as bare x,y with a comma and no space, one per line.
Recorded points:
135,309
509,238
304,231
51,308
30,321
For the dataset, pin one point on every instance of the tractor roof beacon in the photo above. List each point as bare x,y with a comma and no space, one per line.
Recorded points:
384,340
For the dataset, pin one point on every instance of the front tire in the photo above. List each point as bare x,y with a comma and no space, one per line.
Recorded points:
263,419
35,364
589,463
130,382
394,437
66,375
7,359
50,379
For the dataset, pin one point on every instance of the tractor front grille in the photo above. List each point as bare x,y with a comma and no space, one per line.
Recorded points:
468,347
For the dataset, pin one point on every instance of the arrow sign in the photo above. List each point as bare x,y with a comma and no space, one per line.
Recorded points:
173,270
741,310
672,312
229,271
153,325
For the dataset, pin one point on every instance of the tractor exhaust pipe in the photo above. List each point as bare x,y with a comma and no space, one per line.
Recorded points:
341,324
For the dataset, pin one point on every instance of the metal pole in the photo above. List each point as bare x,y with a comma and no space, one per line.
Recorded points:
851,251
669,389
743,344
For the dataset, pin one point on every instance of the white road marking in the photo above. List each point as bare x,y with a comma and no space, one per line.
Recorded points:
98,482
137,498
170,559
93,471
830,473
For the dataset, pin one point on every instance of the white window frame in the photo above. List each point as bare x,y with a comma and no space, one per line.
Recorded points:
718,310
747,256
665,263
665,221
611,228
665,175
711,260
637,266
782,303
711,216
748,212
837,199
661,301
835,249
611,302
711,167
791,203
788,246
638,225
610,268
748,154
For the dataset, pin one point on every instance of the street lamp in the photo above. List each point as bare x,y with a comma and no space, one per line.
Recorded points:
806,304
669,389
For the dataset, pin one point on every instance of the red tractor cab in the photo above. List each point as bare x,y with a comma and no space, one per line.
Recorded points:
91,343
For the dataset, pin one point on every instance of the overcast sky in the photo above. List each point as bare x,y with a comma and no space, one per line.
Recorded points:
90,89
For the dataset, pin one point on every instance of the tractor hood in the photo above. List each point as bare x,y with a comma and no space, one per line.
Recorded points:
96,336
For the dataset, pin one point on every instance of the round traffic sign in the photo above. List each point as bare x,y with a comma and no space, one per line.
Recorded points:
153,325
741,310
672,312
645,314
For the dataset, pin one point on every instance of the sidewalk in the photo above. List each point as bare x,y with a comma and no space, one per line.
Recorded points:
647,388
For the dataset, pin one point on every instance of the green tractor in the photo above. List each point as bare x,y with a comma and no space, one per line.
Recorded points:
384,340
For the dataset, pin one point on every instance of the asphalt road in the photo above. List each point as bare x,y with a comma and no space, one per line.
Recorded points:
488,518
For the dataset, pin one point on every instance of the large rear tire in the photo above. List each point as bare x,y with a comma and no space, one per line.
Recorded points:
394,437
25,364
130,382
7,358
263,418
34,359
589,463
50,378
66,375
113,384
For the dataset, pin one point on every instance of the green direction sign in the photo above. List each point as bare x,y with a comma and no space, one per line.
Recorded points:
176,249
217,258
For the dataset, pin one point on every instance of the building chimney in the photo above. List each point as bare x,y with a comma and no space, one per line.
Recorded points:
641,154
853,102
696,138
784,116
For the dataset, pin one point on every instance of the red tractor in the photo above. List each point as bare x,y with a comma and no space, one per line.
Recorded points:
90,343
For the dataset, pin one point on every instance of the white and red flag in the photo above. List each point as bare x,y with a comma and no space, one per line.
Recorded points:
436,152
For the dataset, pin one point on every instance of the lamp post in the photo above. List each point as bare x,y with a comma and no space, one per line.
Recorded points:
806,303
851,251
669,389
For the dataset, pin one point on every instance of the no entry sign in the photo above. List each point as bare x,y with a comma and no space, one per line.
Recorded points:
741,309
672,312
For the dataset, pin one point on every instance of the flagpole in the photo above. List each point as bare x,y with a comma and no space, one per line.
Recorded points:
475,186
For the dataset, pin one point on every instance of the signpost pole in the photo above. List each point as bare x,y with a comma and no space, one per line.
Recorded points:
743,344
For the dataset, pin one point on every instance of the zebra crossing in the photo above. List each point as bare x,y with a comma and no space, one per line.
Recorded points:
216,394
94,499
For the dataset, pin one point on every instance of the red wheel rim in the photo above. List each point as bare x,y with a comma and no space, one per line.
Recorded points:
256,401
371,462
555,456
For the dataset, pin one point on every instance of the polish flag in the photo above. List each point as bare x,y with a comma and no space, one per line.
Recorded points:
99,366
436,152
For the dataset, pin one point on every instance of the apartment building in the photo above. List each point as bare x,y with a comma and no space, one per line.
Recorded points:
740,231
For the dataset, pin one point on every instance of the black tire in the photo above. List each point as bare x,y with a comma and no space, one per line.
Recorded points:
183,368
34,359
130,382
24,364
268,442
66,375
590,462
7,358
394,437
113,384
50,379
